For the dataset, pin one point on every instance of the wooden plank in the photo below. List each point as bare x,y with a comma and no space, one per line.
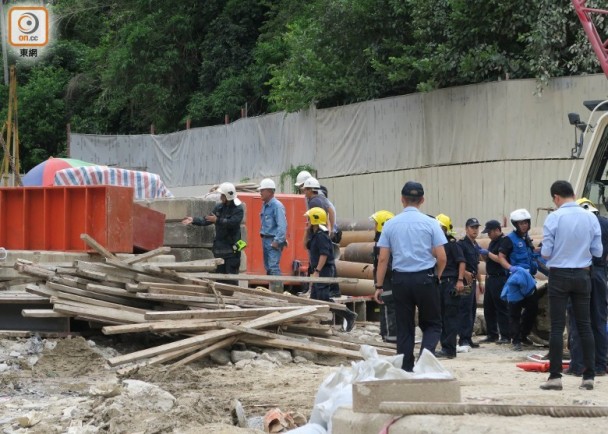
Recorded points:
148,255
177,298
212,336
281,342
157,360
292,299
146,278
217,313
267,278
95,295
104,268
41,313
97,247
74,282
343,344
309,330
202,265
174,326
94,302
96,313
204,352
13,298
33,270
110,290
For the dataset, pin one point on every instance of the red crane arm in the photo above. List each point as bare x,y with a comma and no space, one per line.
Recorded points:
585,15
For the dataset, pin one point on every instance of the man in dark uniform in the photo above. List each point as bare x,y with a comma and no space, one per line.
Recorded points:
388,327
320,249
495,309
227,217
468,302
451,287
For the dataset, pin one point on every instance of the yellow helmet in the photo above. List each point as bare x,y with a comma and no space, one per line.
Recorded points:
317,216
587,204
381,217
445,221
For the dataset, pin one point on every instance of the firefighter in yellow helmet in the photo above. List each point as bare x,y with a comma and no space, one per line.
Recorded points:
450,286
322,263
388,325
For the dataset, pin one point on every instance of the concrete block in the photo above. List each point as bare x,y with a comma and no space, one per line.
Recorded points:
178,208
367,395
183,254
179,235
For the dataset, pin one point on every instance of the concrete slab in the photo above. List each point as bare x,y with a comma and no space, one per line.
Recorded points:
367,395
183,254
178,208
179,235
346,421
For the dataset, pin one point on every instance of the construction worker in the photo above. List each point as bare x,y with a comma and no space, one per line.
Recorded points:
388,329
227,217
517,251
468,300
451,287
302,176
598,307
416,243
495,309
273,230
322,262
311,188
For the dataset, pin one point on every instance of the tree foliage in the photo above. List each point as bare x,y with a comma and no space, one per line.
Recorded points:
119,66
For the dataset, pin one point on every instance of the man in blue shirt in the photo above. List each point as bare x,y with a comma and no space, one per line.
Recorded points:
273,231
571,237
417,244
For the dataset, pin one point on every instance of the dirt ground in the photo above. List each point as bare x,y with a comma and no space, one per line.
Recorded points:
65,386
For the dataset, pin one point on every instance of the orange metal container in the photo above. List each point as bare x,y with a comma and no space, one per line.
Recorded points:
148,228
52,218
295,255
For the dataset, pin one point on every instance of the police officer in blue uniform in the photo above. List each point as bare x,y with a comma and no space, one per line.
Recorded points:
416,243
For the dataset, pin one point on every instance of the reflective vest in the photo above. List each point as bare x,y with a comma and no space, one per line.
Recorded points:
522,254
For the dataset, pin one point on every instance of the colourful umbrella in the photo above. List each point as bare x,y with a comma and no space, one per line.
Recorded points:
43,174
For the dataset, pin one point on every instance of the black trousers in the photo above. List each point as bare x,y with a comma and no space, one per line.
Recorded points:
411,290
231,265
572,284
450,303
522,315
496,310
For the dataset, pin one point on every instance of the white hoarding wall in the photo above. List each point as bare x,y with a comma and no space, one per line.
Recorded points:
480,150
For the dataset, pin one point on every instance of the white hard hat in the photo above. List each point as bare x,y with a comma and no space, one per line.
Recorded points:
228,190
302,176
312,183
267,183
519,215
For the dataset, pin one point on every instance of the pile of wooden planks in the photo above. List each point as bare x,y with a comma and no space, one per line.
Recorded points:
182,300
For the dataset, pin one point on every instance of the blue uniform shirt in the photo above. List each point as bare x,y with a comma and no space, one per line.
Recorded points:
411,236
571,236
273,220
